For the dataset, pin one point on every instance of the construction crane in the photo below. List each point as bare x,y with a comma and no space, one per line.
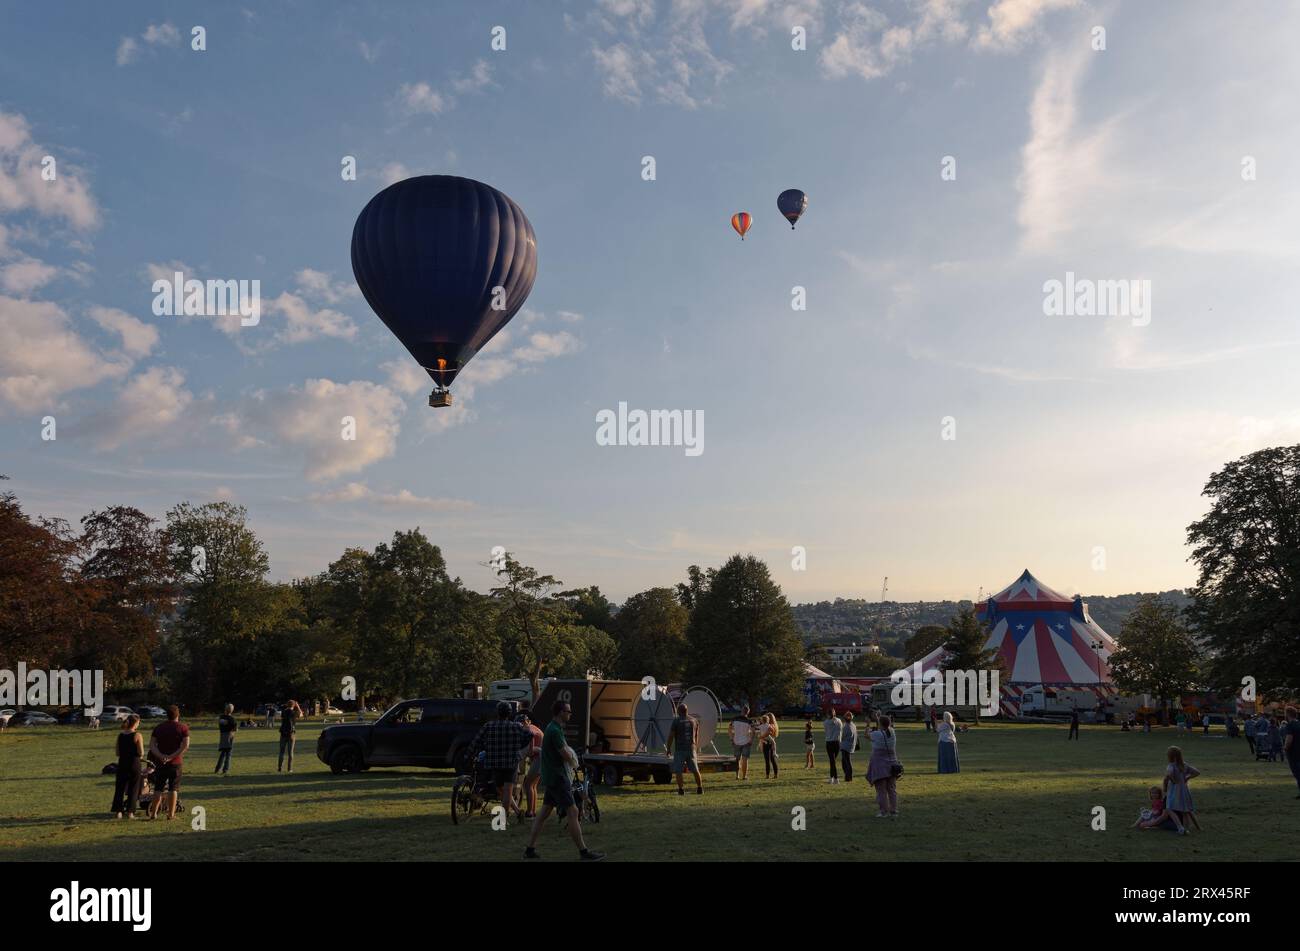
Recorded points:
880,615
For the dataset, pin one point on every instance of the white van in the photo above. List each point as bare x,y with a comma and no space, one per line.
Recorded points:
116,713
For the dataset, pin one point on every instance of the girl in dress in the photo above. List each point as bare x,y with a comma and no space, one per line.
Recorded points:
808,746
1178,797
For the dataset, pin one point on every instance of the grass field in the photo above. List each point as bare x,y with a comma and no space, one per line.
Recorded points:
1025,794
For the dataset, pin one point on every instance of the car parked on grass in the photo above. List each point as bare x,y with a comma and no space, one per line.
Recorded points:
115,713
32,718
150,712
429,732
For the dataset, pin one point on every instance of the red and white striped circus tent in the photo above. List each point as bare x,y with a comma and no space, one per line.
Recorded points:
1043,638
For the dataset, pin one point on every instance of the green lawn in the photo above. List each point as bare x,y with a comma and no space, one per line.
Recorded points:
1025,794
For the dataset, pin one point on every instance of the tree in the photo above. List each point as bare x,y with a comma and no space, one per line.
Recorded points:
818,656
965,644
1246,602
925,640
650,630
125,554
1157,655
537,629
226,603
591,607
872,664
46,607
743,641
696,584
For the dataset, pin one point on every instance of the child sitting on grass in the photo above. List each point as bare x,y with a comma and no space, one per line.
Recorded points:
1156,816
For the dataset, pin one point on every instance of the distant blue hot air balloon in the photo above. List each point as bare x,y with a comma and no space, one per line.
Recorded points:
445,262
792,203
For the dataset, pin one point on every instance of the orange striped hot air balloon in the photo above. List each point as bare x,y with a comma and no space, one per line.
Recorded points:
741,221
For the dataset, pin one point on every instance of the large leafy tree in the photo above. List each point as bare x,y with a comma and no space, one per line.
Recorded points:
744,643
539,630
125,553
1246,603
226,603
1157,655
46,607
591,607
650,630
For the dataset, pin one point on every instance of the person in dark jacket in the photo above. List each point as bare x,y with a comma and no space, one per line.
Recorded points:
226,727
130,768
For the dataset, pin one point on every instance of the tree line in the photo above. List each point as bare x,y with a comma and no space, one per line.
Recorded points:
184,607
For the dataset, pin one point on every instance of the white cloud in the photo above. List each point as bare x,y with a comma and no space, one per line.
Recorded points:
422,98
404,498
127,51
320,285
138,338
545,346
42,357
26,275
406,376
1012,22
394,172
1064,167
303,322
151,404
308,419
155,34
161,34
22,189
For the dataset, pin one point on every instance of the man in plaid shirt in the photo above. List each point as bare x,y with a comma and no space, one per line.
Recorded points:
504,742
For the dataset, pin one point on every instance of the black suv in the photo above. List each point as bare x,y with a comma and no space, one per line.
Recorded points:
433,733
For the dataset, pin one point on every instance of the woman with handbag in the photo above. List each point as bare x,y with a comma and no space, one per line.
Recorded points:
884,768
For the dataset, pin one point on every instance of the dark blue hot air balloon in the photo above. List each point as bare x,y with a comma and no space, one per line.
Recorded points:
445,262
792,203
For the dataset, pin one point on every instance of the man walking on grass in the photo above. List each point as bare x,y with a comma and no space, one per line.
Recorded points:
685,733
558,759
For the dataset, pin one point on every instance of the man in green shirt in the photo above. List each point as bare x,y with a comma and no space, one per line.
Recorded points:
557,760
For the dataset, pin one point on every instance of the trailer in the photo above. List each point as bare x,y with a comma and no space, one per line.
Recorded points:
620,727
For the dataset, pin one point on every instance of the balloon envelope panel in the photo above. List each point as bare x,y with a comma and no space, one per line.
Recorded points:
427,253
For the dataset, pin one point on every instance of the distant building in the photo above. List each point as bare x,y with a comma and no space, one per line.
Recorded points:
844,654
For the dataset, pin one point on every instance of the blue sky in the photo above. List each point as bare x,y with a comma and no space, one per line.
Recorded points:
822,427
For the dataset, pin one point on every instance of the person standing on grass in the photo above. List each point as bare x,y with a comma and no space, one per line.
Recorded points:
534,774
167,747
742,739
809,746
848,745
834,727
1074,723
289,718
504,742
1291,743
558,759
768,731
1250,734
1205,724
1274,738
226,727
685,735
948,762
884,769
130,768
1178,797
